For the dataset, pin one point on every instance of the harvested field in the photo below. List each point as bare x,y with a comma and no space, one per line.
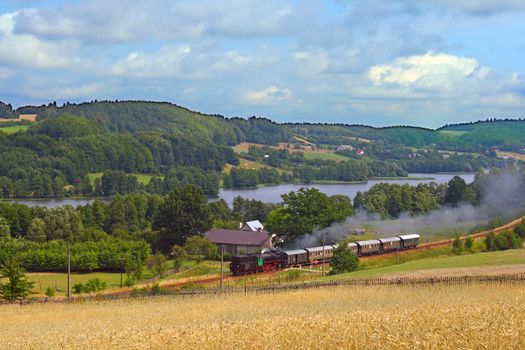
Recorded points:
372,317
514,155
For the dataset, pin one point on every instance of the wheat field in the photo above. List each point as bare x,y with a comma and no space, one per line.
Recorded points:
477,316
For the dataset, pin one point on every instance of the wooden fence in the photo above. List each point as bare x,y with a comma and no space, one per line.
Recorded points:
404,281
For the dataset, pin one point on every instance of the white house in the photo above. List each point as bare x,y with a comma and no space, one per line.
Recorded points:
254,225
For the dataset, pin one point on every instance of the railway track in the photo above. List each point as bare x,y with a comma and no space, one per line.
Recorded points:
448,242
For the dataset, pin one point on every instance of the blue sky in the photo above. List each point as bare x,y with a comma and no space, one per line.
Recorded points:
377,62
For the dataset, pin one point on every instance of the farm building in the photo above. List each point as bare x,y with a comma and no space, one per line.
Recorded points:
240,242
254,225
27,117
344,148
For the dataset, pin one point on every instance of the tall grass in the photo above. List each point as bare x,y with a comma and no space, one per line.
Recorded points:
367,317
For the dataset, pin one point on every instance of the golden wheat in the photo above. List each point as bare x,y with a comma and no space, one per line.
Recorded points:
374,317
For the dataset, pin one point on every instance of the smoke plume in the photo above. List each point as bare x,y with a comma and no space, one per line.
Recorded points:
503,198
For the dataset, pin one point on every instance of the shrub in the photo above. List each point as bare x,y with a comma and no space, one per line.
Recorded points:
129,282
77,288
293,274
457,246
50,291
469,243
94,285
155,289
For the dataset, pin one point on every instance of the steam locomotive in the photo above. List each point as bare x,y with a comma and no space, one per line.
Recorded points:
275,259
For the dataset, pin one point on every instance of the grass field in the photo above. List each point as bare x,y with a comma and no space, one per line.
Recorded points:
488,316
141,178
59,280
324,156
453,132
373,268
14,128
249,164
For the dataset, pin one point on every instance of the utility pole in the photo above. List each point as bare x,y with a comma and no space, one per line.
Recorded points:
222,263
68,272
121,268
322,266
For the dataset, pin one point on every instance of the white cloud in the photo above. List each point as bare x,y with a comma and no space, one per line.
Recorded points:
28,51
269,96
437,72
125,21
163,64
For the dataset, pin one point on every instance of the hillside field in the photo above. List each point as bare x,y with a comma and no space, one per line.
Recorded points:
321,153
141,178
440,262
373,317
12,129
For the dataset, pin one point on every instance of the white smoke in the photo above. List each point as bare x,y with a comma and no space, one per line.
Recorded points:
503,198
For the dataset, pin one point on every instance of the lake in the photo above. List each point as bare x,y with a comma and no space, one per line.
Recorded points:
273,194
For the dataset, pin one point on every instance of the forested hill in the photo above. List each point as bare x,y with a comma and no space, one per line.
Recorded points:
167,118
63,152
469,137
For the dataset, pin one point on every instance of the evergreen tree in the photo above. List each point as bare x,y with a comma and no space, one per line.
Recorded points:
17,285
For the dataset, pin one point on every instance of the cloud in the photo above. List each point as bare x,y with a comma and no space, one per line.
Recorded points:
380,62
268,96
28,51
429,71
164,64
125,21
484,7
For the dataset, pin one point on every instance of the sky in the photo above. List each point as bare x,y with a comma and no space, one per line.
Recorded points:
375,62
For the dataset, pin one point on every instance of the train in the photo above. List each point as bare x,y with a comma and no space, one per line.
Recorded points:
275,259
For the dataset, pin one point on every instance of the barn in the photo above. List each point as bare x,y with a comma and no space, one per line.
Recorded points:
239,242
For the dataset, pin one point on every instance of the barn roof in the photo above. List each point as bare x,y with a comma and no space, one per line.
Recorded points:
237,237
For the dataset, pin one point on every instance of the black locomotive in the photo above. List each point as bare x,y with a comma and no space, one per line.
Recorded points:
271,260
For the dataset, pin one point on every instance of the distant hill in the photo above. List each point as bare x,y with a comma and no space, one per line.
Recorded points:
142,116
70,142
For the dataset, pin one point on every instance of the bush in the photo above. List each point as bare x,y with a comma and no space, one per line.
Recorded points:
50,291
157,264
469,243
457,246
155,289
177,264
293,274
77,288
520,230
94,285
91,286
503,241
129,282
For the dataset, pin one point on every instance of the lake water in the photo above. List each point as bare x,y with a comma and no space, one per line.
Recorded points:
272,194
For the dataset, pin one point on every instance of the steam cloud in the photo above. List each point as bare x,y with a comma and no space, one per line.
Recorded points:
504,197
